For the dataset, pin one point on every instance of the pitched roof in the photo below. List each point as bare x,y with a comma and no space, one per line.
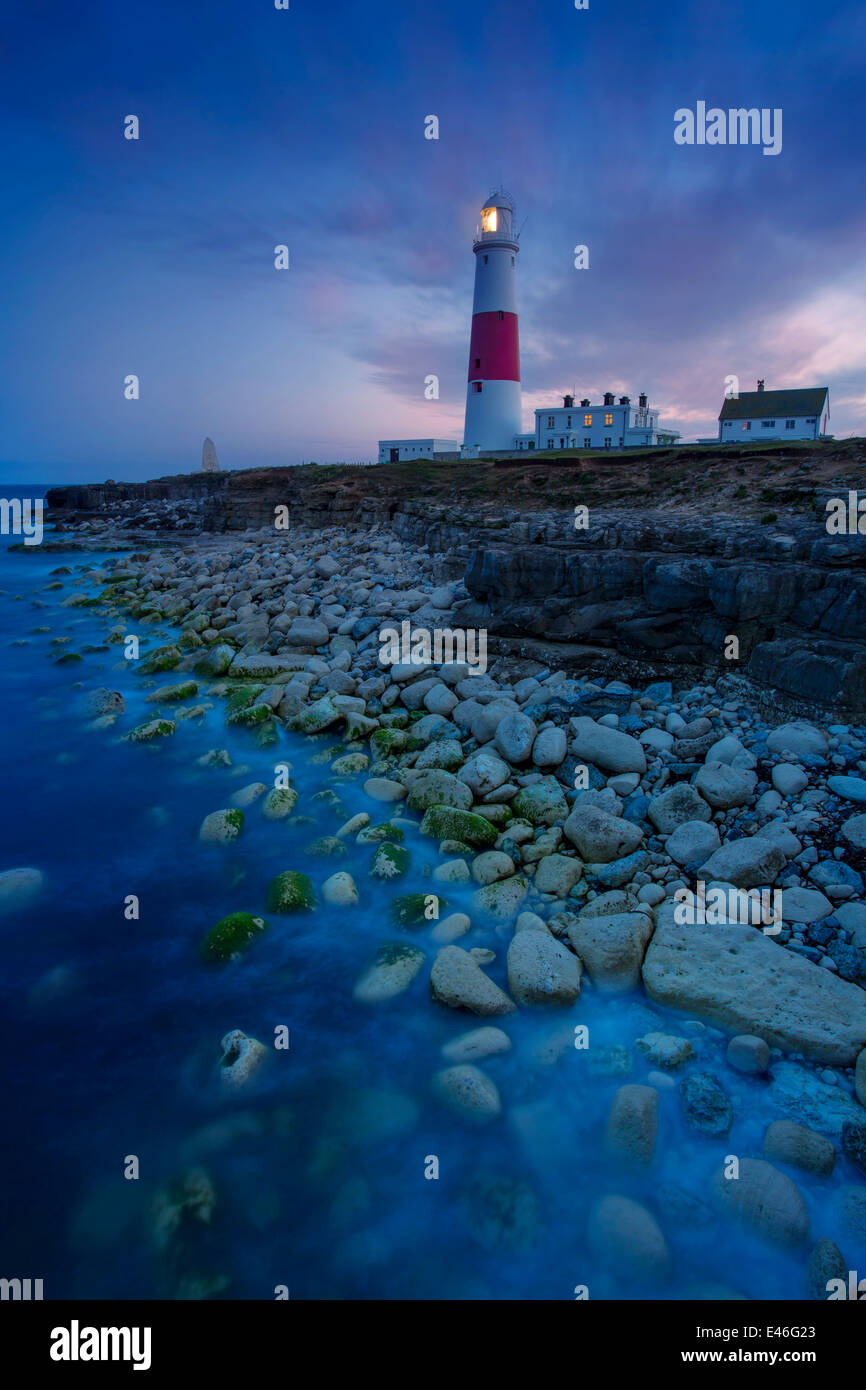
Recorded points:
765,405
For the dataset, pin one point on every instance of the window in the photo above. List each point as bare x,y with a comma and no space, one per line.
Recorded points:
768,424
501,315
747,424
512,260
562,443
531,444
485,260
608,419
568,423
478,361
587,444
550,422
587,420
790,424
550,443
476,387
607,443
813,421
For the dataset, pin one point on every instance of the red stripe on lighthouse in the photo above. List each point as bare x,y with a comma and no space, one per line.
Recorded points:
494,354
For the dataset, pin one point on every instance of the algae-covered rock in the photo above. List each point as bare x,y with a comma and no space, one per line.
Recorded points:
372,834
541,803
350,764
279,803
231,936
251,717
167,694
390,861
393,969
450,823
417,909
216,661
162,659
291,892
157,728
387,741
221,827
435,787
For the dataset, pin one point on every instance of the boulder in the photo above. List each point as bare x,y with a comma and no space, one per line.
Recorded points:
743,981
628,1239
558,873
600,837
692,842
468,1092
748,1055
632,1125
608,749
458,981
541,970
514,737
392,971
612,948
764,1199
723,786
788,1142
678,805
746,863
477,1043
541,803
435,787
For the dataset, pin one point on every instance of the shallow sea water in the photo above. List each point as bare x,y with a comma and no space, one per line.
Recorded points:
113,1027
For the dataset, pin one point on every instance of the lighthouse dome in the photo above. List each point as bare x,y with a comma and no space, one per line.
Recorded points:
500,199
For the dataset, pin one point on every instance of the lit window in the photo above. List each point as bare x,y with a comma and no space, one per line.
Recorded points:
476,387
608,419
587,420
747,424
489,219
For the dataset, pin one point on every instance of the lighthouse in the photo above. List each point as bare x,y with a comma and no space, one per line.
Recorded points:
493,409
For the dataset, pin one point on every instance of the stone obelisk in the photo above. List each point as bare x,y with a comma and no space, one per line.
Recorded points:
209,461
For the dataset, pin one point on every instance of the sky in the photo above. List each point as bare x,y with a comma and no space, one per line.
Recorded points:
305,127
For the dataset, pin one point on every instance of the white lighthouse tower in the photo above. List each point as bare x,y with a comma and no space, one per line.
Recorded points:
493,410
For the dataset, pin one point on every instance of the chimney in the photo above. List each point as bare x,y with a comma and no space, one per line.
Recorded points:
625,400
584,404
608,398
641,400
568,402
761,384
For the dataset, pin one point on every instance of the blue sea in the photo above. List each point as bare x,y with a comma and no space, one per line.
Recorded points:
313,1175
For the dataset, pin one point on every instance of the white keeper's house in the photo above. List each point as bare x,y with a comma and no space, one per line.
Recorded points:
799,414
615,424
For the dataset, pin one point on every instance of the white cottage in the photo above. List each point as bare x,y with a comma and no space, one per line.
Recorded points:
799,414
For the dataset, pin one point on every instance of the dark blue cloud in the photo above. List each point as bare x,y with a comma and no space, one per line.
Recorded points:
305,127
